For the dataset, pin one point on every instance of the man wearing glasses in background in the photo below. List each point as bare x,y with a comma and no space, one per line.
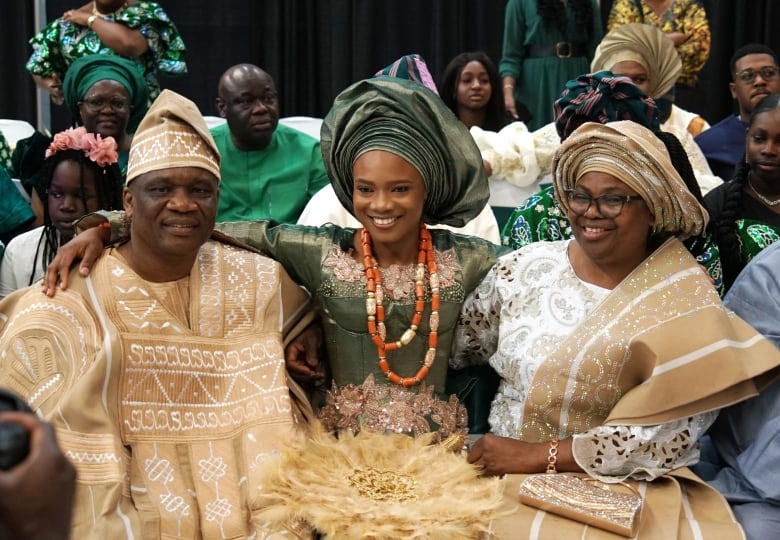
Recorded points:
754,70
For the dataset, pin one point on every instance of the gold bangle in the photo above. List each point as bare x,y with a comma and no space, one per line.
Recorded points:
90,20
552,457
509,86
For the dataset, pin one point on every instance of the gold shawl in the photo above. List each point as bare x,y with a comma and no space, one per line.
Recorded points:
659,347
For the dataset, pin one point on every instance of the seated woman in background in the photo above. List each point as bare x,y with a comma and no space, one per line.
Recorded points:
107,95
745,212
79,176
137,30
645,55
470,87
585,334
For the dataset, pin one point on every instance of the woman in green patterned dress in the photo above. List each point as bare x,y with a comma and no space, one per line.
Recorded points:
140,31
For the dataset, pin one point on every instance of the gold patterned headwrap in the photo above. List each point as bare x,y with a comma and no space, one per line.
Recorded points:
409,120
637,158
645,45
172,134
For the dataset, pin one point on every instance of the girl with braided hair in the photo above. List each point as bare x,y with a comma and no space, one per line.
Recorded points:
745,212
79,175
546,43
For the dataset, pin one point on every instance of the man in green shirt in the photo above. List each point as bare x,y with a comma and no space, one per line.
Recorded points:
269,171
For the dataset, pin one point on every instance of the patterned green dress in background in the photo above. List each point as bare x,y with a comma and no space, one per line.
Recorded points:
5,154
60,43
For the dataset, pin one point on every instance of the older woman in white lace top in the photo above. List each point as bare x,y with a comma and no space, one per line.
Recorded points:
586,333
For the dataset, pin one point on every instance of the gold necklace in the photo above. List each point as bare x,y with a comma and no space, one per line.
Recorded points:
96,11
766,200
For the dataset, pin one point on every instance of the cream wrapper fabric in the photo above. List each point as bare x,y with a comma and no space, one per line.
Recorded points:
379,486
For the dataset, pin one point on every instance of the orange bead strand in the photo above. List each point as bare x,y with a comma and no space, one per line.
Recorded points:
376,313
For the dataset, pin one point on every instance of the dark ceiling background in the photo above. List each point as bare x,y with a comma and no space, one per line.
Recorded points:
315,48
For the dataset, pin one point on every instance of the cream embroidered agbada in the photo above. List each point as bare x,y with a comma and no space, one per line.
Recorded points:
166,396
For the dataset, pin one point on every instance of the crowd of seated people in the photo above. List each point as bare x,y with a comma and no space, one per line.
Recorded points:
559,347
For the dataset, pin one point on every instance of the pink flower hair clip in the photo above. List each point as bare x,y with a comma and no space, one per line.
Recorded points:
100,150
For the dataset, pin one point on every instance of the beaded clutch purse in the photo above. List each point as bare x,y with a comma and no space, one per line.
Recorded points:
585,501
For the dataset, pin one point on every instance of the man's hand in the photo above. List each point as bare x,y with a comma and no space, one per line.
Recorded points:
302,355
87,246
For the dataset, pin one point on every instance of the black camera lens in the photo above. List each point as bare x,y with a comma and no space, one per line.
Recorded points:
14,439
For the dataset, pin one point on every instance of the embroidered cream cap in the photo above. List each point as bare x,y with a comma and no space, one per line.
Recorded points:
172,134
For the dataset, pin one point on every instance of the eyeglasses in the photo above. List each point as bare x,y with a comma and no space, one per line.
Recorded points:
97,104
747,76
609,205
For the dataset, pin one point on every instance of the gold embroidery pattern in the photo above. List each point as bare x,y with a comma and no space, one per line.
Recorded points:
398,279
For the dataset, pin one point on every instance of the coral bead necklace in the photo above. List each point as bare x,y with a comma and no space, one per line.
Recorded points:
376,310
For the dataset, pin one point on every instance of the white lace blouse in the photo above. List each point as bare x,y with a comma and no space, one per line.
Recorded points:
515,318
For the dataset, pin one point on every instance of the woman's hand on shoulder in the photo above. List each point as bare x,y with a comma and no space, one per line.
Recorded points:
87,246
77,16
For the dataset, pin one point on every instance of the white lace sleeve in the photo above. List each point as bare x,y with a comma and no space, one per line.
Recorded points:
476,333
614,453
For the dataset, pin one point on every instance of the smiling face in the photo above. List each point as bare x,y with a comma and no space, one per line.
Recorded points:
473,89
762,150
748,94
248,100
388,197
66,200
634,71
622,241
173,213
105,109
